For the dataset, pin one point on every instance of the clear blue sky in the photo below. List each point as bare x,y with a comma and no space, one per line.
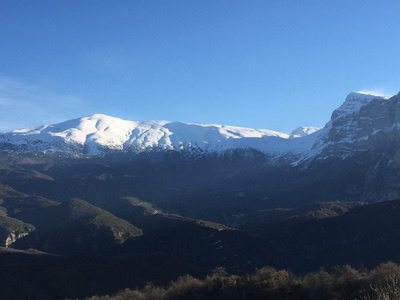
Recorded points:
264,64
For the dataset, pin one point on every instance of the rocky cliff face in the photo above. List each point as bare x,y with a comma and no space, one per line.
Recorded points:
12,229
358,151
14,236
363,123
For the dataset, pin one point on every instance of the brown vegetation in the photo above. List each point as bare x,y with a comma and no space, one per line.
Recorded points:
381,283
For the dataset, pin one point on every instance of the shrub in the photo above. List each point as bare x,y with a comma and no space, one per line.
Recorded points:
345,282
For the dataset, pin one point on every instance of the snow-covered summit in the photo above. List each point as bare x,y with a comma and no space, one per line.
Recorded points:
303,131
99,132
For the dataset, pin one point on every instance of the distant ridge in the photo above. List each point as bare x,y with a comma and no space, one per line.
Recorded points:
357,120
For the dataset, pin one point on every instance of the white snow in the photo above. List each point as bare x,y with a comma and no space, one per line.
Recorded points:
303,131
101,131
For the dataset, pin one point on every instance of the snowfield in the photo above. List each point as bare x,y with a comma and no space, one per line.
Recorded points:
97,133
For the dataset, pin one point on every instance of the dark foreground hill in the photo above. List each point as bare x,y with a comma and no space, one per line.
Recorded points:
363,235
172,246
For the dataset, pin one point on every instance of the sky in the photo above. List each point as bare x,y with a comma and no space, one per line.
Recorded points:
261,64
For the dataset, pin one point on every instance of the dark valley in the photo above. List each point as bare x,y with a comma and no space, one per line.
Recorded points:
84,218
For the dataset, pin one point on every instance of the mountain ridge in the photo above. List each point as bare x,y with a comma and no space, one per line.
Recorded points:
98,134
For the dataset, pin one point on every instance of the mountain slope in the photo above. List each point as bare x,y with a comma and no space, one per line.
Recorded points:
13,202
75,226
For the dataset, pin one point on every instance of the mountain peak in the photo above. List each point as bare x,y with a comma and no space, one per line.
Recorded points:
373,94
363,96
353,103
100,116
303,131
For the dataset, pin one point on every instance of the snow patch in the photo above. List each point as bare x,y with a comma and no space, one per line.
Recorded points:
303,131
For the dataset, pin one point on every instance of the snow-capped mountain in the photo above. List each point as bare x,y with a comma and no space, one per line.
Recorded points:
98,132
353,127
